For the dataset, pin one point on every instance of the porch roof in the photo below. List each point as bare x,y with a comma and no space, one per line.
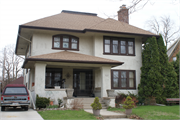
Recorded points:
71,57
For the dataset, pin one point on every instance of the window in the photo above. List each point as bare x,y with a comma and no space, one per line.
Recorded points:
123,79
119,46
65,42
174,58
53,77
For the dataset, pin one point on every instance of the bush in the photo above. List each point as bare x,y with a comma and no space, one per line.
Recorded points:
96,105
128,104
60,102
121,97
42,102
76,104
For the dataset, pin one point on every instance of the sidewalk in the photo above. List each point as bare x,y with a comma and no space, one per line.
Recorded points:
109,115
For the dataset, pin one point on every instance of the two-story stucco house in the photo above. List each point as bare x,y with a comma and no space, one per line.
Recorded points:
89,52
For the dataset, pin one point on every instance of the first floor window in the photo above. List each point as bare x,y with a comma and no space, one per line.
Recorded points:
53,77
123,79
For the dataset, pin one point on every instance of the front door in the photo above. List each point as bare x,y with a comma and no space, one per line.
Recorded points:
82,82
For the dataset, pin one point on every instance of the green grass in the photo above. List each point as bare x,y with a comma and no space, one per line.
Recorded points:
154,112
66,114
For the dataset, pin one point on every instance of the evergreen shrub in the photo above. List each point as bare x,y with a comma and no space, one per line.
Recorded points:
96,105
42,102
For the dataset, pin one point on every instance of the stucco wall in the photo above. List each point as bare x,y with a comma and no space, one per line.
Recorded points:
91,45
42,44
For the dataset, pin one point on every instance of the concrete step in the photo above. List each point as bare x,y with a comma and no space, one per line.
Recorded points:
87,100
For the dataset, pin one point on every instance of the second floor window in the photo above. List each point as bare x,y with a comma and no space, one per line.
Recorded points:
119,46
65,42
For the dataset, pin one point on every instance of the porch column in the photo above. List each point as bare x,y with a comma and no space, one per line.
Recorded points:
31,79
40,72
105,80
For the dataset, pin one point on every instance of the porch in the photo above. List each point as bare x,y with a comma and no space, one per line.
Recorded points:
51,78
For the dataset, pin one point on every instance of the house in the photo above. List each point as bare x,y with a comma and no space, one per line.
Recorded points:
19,80
83,52
173,50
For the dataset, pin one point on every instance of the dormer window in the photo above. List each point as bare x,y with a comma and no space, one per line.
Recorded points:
65,42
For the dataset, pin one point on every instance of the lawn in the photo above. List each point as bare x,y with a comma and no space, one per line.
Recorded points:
66,114
154,112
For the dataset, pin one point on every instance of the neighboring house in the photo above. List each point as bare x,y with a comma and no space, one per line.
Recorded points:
173,50
89,52
19,80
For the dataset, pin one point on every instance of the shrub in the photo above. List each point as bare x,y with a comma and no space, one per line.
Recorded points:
76,104
96,105
42,102
60,102
128,104
53,106
121,97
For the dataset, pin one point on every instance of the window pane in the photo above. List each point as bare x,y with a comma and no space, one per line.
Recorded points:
107,41
123,42
66,39
123,49
130,49
115,82
130,43
57,42
74,45
131,74
107,48
74,40
131,82
115,78
115,42
115,48
65,45
123,79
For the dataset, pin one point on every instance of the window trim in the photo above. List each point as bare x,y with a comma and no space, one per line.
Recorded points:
119,46
127,82
61,42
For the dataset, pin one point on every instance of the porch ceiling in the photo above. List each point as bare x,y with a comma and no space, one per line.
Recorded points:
70,57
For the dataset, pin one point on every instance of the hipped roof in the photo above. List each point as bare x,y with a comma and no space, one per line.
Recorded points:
71,57
85,22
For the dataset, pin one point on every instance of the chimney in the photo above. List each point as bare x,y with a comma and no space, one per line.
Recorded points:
123,14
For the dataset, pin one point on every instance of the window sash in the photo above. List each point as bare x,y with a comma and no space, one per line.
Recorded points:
122,46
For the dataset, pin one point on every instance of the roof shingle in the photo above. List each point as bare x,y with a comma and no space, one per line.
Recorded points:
72,21
66,56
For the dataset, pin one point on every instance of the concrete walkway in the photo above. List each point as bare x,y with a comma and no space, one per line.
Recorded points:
108,115
19,114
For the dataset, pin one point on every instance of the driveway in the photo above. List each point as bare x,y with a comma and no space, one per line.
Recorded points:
19,114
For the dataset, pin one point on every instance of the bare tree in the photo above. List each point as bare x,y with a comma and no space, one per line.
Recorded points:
165,26
10,64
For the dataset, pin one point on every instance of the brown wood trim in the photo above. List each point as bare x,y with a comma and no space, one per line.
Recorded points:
127,79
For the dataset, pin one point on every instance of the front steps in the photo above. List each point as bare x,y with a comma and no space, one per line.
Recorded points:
88,101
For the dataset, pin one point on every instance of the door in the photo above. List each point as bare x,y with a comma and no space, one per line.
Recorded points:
82,82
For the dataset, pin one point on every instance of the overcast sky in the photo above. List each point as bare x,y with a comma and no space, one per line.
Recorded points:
16,12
